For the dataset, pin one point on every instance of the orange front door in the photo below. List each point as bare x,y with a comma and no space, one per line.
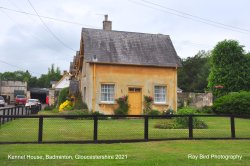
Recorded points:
135,101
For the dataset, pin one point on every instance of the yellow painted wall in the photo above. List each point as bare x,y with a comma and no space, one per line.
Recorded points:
124,76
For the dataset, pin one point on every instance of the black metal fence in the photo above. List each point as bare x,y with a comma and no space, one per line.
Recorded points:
15,111
28,128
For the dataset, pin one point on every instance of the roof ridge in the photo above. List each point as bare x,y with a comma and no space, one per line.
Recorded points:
126,32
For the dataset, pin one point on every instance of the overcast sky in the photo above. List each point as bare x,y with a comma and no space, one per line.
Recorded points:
193,25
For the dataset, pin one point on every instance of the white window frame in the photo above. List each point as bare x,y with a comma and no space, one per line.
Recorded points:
161,93
106,90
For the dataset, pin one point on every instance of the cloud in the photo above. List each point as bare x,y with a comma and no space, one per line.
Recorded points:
25,42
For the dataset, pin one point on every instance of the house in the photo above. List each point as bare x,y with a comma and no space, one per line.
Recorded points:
57,86
63,82
111,64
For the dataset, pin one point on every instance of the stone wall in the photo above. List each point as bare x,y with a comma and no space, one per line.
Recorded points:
197,100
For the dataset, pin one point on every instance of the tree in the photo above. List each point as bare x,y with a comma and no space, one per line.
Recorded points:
193,74
42,82
229,68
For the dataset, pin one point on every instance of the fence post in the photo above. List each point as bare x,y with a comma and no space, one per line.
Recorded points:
190,126
146,128
40,131
232,127
8,113
95,128
3,117
11,113
22,110
15,111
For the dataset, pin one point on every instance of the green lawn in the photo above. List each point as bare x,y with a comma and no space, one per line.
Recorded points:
146,153
60,129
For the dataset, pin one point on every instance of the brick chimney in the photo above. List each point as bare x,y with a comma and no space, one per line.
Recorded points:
107,25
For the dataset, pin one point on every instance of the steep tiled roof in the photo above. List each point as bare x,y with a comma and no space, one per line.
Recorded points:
120,47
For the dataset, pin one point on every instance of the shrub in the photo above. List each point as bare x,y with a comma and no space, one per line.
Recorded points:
186,111
123,106
205,110
169,111
154,112
165,124
49,107
79,104
236,103
148,101
99,113
67,105
182,122
63,95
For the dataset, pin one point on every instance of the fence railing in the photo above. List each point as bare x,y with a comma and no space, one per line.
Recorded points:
15,111
117,128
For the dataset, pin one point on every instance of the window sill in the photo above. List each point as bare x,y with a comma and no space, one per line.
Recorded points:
108,103
165,104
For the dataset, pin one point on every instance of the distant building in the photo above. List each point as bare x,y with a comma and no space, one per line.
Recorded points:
62,83
9,90
57,86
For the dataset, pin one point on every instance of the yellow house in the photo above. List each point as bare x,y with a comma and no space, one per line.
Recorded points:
111,64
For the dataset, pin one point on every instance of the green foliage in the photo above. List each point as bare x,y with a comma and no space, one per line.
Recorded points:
42,82
182,122
79,104
154,112
169,111
148,101
75,112
193,74
123,106
68,107
63,95
49,107
205,110
99,113
230,68
187,111
52,75
236,103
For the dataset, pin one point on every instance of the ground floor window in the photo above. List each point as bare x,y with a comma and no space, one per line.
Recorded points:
160,94
107,92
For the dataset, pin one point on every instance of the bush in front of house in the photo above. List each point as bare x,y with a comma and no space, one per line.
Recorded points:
182,122
100,117
66,106
49,107
148,101
205,110
169,111
154,112
235,103
79,104
123,106
63,95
